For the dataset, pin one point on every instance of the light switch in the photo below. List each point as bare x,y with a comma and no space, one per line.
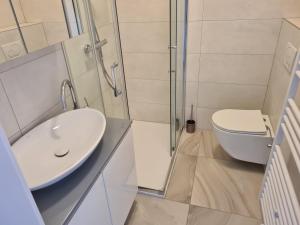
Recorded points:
13,49
289,56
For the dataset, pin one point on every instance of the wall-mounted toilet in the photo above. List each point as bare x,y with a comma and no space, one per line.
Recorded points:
244,134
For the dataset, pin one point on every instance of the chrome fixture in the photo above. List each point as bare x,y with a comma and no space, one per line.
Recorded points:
68,83
88,48
172,47
98,44
113,67
86,102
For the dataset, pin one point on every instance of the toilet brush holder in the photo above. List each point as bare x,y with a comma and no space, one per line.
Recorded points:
191,124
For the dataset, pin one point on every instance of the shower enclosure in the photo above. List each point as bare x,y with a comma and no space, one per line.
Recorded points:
178,40
95,63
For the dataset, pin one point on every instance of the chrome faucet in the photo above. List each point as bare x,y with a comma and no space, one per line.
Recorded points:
63,94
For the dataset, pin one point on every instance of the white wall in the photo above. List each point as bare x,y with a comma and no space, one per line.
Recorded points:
30,90
230,51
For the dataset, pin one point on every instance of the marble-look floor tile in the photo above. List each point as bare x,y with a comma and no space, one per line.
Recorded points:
182,179
230,186
190,143
211,147
204,216
242,220
155,211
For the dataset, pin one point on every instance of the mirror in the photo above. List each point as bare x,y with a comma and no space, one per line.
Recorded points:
11,42
30,25
76,22
42,22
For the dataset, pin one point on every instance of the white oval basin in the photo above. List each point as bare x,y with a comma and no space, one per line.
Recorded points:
57,147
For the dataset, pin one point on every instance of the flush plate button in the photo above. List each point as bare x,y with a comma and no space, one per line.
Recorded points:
13,49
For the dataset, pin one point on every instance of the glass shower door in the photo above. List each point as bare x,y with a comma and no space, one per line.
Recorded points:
106,38
94,56
178,17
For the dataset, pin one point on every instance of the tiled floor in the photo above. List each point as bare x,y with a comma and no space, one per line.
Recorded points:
207,187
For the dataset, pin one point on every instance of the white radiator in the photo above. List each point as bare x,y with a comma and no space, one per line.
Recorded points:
279,202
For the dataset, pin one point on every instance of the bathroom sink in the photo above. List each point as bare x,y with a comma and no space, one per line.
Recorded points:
57,147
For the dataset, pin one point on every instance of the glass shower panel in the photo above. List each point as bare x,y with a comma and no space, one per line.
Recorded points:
83,70
172,71
177,67
181,64
108,50
82,65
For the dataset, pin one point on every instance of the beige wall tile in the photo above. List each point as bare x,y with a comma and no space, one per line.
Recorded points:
194,37
240,36
250,9
195,10
204,118
191,93
102,12
192,67
149,112
145,37
34,36
147,65
240,69
188,112
148,91
55,32
9,36
143,10
37,11
6,14
217,95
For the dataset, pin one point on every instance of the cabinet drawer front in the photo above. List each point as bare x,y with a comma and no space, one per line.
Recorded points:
120,180
94,208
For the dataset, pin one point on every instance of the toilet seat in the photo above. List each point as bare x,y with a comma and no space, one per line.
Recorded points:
240,121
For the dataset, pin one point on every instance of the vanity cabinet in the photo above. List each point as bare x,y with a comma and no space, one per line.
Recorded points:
120,180
94,209
110,199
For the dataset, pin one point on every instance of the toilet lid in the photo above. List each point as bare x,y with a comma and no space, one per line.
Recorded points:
240,121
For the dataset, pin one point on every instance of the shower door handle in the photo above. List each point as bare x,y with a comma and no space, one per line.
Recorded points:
172,47
113,72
